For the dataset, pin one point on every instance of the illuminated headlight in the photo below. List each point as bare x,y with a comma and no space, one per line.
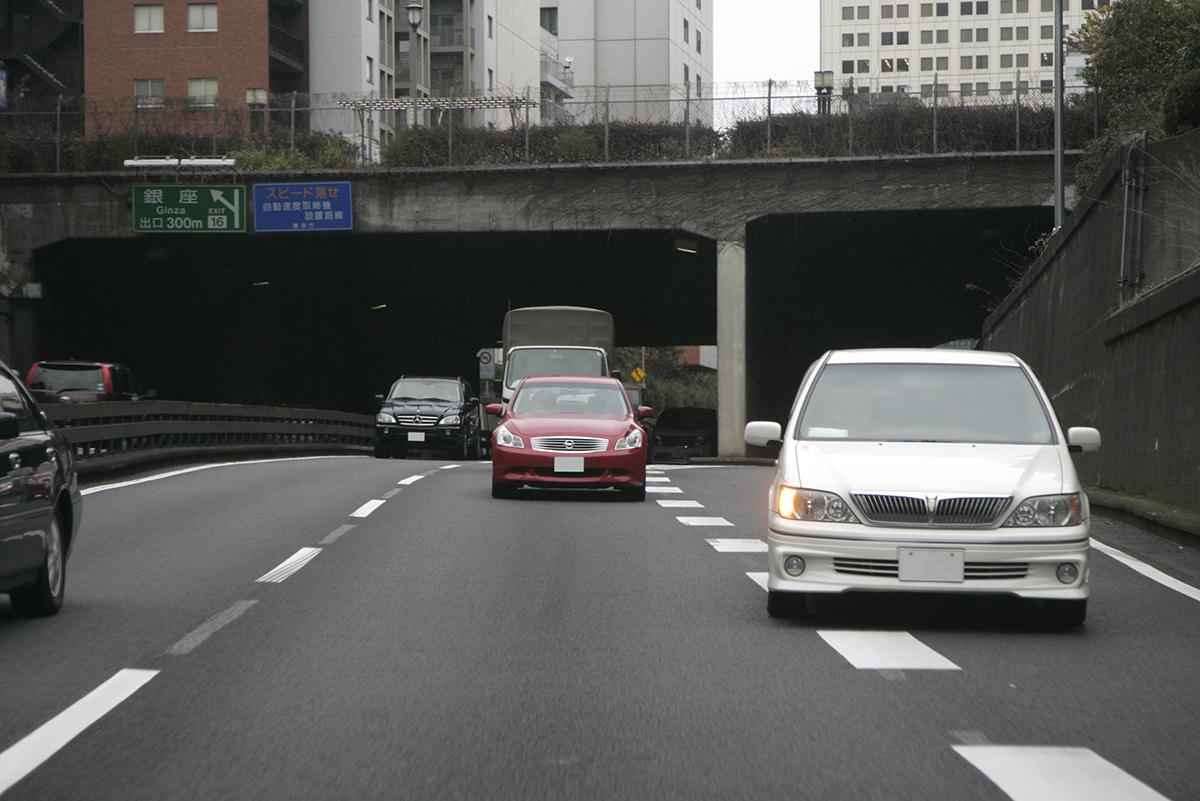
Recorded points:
1067,572
631,440
1047,510
804,504
508,439
793,566
451,420
384,417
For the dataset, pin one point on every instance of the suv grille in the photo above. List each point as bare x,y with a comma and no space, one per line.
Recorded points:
908,510
416,420
890,568
570,444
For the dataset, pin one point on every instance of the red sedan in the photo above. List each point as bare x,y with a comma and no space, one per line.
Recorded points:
569,431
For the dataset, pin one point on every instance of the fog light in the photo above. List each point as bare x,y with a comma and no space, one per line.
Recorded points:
1067,572
793,566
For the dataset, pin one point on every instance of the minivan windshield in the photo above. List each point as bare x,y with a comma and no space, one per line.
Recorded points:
524,363
565,398
426,389
59,378
924,403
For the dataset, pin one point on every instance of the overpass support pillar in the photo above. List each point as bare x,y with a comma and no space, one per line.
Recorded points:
731,348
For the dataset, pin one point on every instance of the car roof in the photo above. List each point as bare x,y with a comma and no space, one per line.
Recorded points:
923,356
574,379
73,363
427,378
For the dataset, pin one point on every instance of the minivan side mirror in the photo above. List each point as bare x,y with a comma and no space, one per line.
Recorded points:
379,399
495,409
10,426
764,434
1083,440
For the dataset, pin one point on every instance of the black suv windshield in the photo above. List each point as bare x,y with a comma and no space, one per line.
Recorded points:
431,389
59,378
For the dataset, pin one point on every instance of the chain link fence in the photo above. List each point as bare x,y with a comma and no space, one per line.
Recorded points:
594,124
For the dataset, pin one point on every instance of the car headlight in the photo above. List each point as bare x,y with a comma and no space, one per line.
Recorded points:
1047,510
631,440
794,503
507,438
384,417
451,420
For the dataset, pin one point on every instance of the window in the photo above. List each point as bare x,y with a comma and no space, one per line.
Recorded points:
149,92
981,6
927,63
981,34
966,7
699,86
1006,61
943,9
887,65
1047,31
1022,33
966,35
901,37
1006,6
864,40
202,91
550,20
1006,34
926,9
864,65
886,38
202,16
943,36
699,41
902,11
864,12
887,12
965,89
1047,59
1048,6
902,65
491,27
1022,59
887,89
685,31
371,10
687,75
981,62
491,80
926,37
1047,87
12,402
1006,87
981,88
847,67
964,62
370,70
147,19
847,40
943,63
847,12
1022,6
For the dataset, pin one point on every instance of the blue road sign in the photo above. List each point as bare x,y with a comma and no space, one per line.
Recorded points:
307,206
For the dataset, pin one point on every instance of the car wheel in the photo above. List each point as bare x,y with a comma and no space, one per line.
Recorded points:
1065,613
45,596
382,451
634,493
786,605
504,491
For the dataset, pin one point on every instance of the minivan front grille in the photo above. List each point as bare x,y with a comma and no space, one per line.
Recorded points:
570,444
908,510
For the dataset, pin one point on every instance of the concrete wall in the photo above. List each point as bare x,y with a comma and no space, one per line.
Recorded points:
1109,318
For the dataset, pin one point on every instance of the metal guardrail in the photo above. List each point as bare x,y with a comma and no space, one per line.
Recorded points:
115,435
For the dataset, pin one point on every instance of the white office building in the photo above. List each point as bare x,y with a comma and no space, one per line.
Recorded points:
972,47
638,52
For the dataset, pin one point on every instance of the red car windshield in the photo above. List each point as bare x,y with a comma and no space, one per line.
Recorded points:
593,399
60,378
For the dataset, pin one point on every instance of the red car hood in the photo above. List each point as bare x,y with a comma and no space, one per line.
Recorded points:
549,425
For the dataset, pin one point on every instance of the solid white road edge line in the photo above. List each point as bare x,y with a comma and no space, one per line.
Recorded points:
289,566
408,482
1042,773
368,507
738,546
673,504
704,521
1152,573
759,578
886,650
27,754
336,534
198,468
208,628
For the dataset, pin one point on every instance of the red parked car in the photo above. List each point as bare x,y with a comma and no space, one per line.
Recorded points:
75,382
569,431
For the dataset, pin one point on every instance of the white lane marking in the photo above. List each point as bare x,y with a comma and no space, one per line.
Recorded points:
289,566
368,507
666,490
449,466
336,534
886,650
1152,573
666,467
738,546
408,482
1043,773
392,493
759,578
673,504
650,472
27,754
657,479
208,628
704,521
198,468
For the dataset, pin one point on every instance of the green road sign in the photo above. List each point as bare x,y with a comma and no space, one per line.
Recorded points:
173,209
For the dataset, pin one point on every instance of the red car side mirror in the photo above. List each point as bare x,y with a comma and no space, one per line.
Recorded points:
495,409
645,411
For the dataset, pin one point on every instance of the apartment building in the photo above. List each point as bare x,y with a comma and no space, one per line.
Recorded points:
226,52
972,47
640,51
41,46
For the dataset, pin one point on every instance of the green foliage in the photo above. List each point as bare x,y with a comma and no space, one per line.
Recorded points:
1181,107
574,146
669,383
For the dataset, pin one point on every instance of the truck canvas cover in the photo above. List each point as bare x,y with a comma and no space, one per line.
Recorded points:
565,326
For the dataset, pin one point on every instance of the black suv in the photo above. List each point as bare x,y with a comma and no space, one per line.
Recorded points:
427,413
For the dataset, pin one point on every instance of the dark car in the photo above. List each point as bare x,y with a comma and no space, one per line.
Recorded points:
683,432
40,503
427,413
75,381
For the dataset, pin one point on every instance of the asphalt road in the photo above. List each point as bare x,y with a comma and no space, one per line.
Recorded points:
451,646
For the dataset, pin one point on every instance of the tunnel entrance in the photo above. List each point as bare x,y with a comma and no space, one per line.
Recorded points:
329,320
880,279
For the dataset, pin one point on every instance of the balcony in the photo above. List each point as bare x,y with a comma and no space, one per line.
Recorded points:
287,49
446,36
64,76
557,74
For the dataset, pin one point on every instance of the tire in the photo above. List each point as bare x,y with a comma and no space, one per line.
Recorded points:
786,605
382,451
634,493
44,597
503,491
1065,613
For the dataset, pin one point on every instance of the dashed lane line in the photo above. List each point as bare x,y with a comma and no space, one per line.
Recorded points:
368,507
208,628
450,467
1044,773
288,567
665,490
408,482
738,546
651,479
885,650
337,534
21,759
705,521
1152,573
675,504
392,493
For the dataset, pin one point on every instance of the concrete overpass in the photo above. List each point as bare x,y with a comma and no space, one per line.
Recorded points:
713,200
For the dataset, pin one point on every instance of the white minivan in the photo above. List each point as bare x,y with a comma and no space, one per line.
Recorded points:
926,470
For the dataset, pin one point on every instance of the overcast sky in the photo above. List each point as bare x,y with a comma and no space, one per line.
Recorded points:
761,39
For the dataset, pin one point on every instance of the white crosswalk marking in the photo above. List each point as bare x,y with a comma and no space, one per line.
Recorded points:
738,546
673,504
704,521
1040,773
886,650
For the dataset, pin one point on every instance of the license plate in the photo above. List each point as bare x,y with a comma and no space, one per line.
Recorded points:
568,464
931,564
416,436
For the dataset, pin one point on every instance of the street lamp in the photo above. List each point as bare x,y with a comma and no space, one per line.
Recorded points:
1059,189
415,11
823,81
